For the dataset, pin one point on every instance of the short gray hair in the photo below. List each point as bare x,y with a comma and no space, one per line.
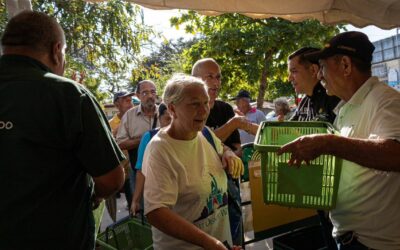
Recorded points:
175,86
282,102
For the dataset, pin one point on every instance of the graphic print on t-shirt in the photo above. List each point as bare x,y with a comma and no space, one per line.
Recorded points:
215,200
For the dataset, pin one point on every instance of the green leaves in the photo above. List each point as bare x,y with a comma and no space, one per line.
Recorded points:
103,39
252,53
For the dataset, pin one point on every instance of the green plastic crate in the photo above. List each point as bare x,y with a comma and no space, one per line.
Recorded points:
310,186
126,234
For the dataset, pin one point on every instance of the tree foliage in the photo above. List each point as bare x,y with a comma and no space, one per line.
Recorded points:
103,39
252,53
163,62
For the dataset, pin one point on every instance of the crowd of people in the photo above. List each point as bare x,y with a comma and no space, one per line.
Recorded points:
179,162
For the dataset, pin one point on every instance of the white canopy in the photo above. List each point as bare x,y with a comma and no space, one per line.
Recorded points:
382,13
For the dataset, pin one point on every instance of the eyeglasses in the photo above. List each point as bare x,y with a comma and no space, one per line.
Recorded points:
148,92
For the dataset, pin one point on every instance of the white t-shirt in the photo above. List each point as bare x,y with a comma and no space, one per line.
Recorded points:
186,177
368,200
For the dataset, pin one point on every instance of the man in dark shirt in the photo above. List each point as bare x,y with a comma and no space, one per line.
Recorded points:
57,143
222,118
225,124
316,104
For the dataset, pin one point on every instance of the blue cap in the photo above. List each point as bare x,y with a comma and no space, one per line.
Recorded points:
120,94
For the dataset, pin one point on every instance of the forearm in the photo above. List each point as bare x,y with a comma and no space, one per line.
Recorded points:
137,195
174,225
225,131
252,128
381,154
109,183
129,143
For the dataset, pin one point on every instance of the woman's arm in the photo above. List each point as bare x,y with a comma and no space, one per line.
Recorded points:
172,224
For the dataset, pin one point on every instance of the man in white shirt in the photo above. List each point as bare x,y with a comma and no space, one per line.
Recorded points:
367,208
252,115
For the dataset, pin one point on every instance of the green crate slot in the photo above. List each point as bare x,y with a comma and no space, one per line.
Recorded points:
310,186
131,234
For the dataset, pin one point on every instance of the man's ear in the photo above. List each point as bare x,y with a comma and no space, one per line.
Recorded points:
314,68
346,65
171,109
56,51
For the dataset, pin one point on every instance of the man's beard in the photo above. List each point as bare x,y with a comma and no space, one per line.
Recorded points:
149,104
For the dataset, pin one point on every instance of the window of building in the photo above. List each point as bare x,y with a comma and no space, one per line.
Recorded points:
377,57
378,46
387,43
379,70
388,54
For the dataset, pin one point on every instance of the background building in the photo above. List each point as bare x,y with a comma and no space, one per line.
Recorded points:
386,61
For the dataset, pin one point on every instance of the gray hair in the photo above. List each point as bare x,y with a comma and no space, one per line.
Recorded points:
175,86
282,102
199,64
137,90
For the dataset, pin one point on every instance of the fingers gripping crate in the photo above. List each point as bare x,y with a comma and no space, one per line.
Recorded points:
310,186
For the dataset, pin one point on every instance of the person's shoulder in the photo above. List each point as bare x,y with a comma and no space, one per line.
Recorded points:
381,92
64,85
132,111
223,105
259,112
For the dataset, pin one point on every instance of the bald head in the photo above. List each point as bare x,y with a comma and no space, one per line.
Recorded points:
32,30
202,64
209,71
36,35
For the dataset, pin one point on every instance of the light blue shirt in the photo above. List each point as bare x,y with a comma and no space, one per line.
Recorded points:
142,147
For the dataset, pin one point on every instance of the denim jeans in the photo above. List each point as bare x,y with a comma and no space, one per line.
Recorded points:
349,242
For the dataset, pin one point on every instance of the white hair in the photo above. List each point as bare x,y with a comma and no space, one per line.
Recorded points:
175,86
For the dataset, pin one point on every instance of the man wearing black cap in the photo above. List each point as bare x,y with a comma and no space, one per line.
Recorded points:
367,208
253,115
303,74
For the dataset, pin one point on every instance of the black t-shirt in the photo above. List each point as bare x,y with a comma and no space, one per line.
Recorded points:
220,114
318,107
57,137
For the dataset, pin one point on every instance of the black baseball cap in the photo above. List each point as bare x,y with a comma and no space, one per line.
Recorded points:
122,94
242,94
352,43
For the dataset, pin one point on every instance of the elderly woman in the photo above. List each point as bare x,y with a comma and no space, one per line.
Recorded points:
185,188
282,110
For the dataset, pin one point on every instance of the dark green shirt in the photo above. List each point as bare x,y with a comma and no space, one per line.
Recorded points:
53,135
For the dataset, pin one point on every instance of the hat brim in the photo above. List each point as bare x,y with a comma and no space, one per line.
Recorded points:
315,56
128,94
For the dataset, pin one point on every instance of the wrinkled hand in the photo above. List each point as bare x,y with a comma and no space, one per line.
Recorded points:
218,245
135,207
234,164
241,122
305,148
238,112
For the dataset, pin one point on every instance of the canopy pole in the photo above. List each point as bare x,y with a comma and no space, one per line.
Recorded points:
16,6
